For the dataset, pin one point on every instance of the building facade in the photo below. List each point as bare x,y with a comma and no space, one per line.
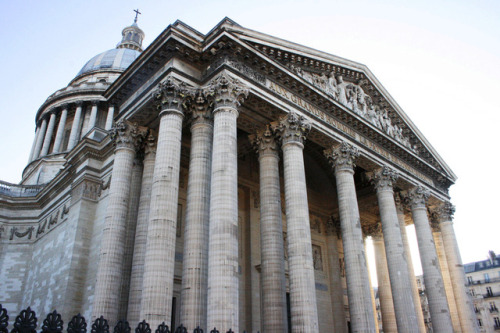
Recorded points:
229,180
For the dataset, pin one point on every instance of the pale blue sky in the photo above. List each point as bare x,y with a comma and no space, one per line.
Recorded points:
440,60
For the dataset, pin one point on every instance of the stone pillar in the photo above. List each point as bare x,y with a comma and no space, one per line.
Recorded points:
60,130
74,136
223,266
273,287
450,297
110,117
404,305
292,129
141,231
411,271
35,141
358,290
93,116
132,214
158,284
48,134
433,280
384,286
40,138
110,267
372,291
336,290
463,300
195,258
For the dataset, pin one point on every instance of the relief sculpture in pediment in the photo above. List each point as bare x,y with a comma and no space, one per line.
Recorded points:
354,97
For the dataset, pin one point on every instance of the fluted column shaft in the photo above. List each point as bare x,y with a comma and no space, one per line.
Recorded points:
223,271
141,231
75,128
411,271
397,264
293,129
110,268
445,273
384,287
40,139
195,258
433,280
109,118
358,290
93,116
336,290
273,286
60,131
159,267
35,141
48,134
464,303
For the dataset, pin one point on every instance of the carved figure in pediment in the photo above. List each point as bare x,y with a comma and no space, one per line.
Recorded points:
331,87
386,123
341,91
352,97
373,116
363,101
323,82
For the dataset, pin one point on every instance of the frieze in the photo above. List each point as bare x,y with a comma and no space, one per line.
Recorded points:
304,105
21,234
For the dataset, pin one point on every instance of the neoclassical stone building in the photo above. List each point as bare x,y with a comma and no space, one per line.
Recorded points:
229,180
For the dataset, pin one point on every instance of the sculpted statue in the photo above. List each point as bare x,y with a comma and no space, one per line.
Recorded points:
373,116
332,85
341,91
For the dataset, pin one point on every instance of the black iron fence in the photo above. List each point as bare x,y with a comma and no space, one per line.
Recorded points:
26,322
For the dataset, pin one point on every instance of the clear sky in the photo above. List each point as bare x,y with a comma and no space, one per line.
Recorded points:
440,60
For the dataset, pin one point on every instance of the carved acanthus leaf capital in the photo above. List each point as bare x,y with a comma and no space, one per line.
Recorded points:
150,143
264,141
292,128
169,95
418,196
343,156
383,179
199,105
127,135
371,229
226,91
445,211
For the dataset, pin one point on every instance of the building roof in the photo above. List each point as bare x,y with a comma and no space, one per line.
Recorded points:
492,262
118,59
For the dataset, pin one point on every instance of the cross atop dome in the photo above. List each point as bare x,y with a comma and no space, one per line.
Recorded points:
132,35
137,12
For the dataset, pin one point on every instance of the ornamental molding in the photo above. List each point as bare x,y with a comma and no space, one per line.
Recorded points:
226,91
343,156
128,135
443,212
150,143
199,106
292,128
169,95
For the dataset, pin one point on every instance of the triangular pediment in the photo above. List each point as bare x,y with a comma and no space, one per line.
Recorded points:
345,89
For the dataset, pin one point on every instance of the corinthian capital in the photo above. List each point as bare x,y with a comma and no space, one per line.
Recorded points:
342,157
169,95
417,197
127,135
264,141
292,128
384,178
198,105
226,91
150,144
445,211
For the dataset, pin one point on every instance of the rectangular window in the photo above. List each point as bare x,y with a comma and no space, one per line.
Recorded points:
489,292
497,322
486,277
469,279
480,323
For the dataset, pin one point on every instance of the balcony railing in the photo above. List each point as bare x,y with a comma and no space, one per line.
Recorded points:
487,295
495,309
18,191
483,281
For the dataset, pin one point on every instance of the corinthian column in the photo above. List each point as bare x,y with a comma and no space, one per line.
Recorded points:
406,315
109,118
342,159
222,311
293,129
75,127
48,134
93,116
433,280
141,231
195,259
463,302
158,282
110,267
39,139
60,130
271,235
411,271
35,140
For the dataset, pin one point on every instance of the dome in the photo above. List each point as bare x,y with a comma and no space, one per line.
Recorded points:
117,59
